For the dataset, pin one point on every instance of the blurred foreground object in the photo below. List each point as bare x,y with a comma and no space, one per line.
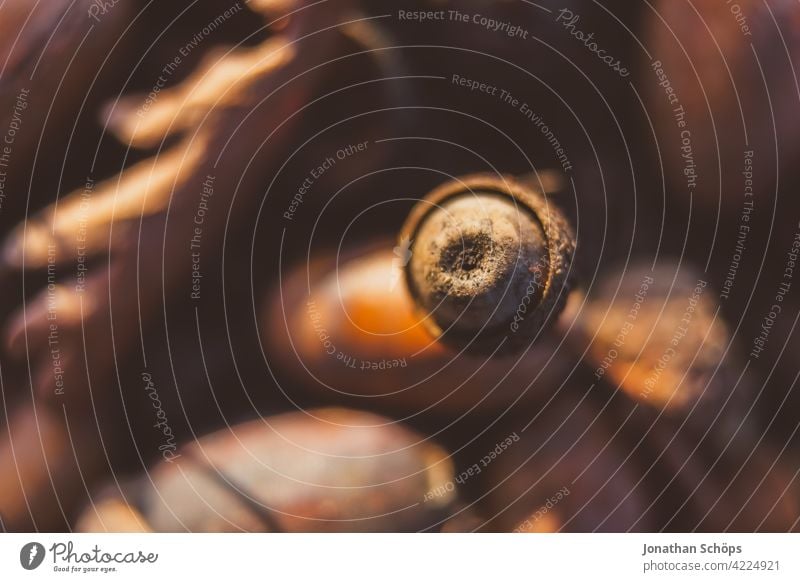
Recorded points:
313,471
657,334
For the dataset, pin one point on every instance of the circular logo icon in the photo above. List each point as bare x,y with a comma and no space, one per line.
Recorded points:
31,555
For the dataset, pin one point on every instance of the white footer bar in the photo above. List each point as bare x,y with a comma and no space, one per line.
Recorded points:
389,557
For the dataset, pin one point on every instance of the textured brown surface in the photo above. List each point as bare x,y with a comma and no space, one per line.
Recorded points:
490,262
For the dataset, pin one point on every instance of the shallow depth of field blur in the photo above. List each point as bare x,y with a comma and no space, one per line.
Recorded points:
206,323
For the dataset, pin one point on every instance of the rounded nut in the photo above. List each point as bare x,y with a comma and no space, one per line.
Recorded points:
320,470
655,332
488,262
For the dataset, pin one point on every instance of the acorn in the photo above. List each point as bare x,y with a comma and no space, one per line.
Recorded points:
352,336
488,263
345,329
654,332
313,471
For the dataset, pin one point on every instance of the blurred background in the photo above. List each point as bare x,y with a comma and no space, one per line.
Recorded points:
203,325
